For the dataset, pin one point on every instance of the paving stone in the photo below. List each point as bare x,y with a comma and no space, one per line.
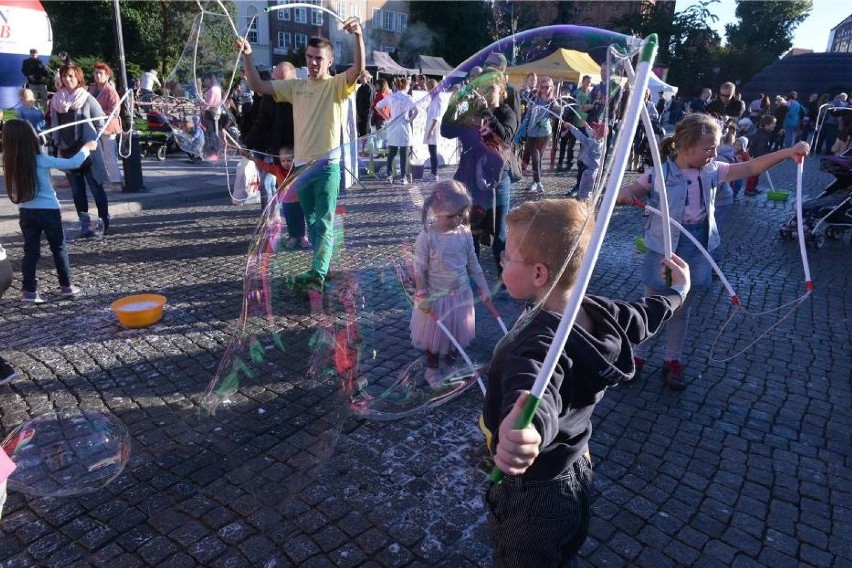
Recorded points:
748,466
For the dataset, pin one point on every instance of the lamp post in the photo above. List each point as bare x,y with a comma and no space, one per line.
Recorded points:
133,162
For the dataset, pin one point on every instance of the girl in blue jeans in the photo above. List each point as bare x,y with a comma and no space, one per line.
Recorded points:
28,185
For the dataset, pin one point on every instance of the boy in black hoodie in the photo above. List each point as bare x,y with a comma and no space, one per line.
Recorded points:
539,513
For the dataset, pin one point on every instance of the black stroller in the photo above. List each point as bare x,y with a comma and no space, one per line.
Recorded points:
830,213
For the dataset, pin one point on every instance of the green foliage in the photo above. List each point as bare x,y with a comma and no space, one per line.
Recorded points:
459,27
769,25
154,33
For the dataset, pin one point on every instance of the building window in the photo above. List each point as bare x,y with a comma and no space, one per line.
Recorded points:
301,41
284,40
341,9
251,25
377,18
401,22
356,11
388,48
284,14
300,16
389,20
338,50
316,17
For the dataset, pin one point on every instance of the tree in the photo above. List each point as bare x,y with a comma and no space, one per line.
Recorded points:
154,33
459,28
769,25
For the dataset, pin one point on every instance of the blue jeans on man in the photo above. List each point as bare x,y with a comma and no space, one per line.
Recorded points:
33,223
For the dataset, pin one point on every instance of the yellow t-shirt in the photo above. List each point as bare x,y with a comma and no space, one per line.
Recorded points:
317,113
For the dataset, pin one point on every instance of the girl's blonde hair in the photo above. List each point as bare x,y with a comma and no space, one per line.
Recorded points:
446,196
20,149
688,134
26,94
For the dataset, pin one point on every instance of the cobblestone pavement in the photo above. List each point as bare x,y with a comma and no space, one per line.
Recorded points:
748,467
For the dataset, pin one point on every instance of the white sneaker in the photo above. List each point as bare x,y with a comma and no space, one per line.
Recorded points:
403,181
390,180
532,186
539,188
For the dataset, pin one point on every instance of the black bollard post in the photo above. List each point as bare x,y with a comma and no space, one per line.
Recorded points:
132,164
133,182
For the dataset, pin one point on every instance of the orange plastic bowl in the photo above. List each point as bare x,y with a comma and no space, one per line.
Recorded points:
139,310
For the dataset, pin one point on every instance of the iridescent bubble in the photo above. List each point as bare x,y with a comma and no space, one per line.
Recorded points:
193,106
69,452
354,332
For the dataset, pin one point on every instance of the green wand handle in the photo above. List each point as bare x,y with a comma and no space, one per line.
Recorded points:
524,420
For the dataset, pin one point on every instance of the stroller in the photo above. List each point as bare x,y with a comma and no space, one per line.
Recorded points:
163,141
830,213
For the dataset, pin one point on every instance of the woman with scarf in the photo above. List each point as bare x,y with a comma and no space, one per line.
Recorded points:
70,104
485,123
108,98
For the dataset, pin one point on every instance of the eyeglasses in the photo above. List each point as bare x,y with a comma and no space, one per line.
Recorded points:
504,258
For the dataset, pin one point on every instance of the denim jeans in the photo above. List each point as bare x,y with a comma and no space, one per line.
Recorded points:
268,186
33,222
295,219
318,196
81,202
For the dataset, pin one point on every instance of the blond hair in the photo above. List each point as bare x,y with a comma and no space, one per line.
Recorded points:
554,232
450,196
688,134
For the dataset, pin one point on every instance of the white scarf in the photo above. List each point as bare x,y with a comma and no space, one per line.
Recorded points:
64,100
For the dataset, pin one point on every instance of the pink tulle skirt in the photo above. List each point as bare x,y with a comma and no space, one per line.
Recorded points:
455,311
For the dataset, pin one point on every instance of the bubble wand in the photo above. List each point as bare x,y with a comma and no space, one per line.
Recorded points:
572,307
660,186
303,5
734,297
90,120
460,350
800,228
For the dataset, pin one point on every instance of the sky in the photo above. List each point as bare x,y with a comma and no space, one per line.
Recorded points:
810,34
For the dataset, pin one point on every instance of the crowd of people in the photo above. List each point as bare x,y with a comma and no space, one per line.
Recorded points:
537,247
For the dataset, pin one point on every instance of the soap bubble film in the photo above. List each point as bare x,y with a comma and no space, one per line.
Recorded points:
69,452
356,331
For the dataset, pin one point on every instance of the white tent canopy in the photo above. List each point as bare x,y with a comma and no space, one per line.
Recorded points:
657,87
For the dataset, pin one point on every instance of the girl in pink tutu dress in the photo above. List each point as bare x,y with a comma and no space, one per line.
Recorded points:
444,263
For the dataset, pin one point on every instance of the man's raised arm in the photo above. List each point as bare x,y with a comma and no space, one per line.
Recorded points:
257,84
353,27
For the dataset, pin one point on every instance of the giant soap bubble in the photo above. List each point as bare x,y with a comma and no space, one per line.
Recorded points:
193,107
68,452
354,331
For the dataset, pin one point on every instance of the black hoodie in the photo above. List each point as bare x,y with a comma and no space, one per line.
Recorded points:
587,366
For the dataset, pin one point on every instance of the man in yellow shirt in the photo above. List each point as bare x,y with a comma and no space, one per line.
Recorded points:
318,110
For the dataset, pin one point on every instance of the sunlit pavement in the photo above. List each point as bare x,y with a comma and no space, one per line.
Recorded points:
747,467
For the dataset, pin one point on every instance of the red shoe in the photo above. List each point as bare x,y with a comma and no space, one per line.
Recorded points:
673,372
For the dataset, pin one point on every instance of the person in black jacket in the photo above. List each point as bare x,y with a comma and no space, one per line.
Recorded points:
37,76
481,117
271,130
727,103
363,100
547,465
